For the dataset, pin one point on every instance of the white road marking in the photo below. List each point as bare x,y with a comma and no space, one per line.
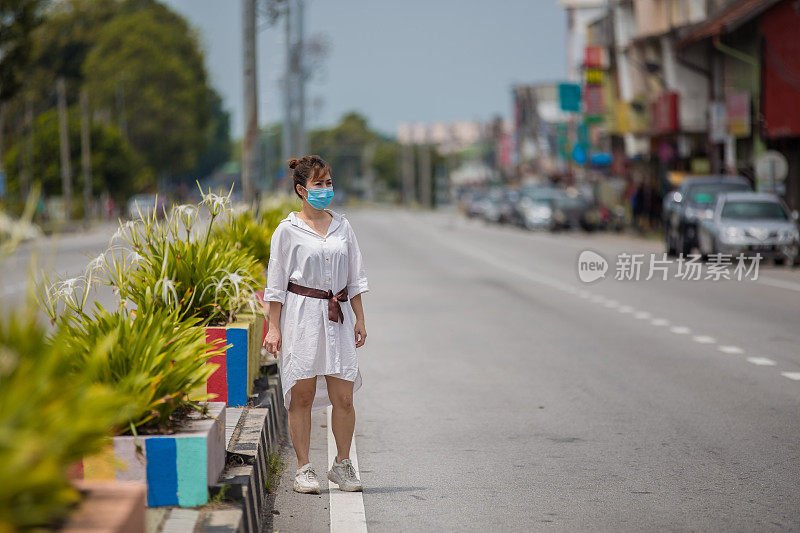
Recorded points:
626,309
347,508
791,375
642,315
552,282
704,339
779,283
730,349
761,361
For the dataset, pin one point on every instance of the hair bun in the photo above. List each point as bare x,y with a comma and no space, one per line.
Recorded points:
293,163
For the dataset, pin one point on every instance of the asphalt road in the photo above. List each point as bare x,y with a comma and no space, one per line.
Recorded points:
500,393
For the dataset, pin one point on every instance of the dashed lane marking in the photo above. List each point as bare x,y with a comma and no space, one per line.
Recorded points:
730,349
704,339
761,361
610,303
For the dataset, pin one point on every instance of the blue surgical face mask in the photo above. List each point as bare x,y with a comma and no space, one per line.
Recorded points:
320,198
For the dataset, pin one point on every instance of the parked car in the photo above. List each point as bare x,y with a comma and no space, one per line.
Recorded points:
535,206
491,206
507,207
751,222
573,211
535,212
692,202
475,204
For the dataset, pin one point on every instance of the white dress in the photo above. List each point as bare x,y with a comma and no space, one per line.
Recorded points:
311,343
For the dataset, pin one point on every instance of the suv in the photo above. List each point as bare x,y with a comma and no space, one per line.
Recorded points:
692,202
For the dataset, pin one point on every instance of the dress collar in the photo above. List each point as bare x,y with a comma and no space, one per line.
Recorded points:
299,222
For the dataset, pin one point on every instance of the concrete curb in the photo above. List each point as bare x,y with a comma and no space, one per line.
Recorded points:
239,498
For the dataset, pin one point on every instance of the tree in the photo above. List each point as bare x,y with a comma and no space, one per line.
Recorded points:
147,64
219,146
115,165
18,19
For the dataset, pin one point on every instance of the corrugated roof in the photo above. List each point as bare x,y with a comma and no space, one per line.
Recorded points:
728,20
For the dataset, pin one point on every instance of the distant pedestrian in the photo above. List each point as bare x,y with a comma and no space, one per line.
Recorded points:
315,279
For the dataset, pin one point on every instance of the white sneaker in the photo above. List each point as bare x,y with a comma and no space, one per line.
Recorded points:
344,475
305,480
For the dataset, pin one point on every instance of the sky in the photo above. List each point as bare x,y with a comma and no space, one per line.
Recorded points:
392,60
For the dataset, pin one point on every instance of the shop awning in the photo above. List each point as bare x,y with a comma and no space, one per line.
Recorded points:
727,21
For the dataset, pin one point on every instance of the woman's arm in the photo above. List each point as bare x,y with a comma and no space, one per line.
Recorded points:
360,328
356,284
275,291
272,342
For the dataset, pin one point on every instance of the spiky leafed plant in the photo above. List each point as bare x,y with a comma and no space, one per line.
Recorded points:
158,359
50,417
201,277
243,231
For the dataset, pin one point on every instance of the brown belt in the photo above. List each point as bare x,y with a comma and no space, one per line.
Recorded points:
334,308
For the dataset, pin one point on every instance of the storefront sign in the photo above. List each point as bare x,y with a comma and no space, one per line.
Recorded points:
569,97
665,113
594,76
594,57
593,100
738,108
718,120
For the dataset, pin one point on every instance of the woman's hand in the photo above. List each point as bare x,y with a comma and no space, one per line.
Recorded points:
361,333
272,342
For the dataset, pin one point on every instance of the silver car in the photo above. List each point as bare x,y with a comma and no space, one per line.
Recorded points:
750,223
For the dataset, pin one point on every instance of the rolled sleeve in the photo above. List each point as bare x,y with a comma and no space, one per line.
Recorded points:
356,271
277,269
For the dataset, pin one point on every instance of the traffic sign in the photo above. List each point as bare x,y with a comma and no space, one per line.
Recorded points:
569,97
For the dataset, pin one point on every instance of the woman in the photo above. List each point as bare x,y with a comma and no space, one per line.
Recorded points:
315,278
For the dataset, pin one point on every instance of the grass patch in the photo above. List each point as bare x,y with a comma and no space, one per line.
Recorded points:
276,467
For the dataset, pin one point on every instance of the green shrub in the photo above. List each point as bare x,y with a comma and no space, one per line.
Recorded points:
245,233
156,361
50,417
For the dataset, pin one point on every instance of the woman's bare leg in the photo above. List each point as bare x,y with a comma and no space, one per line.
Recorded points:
343,416
300,417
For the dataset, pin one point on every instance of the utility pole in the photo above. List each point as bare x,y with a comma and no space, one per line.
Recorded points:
249,144
295,75
368,171
86,155
63,130
300,80
3,185
28,174
288,149
122,120
425,174
407,173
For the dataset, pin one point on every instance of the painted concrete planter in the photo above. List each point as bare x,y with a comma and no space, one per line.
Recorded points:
108,506
177,468
232,381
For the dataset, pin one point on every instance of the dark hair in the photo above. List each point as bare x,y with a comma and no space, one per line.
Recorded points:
305,168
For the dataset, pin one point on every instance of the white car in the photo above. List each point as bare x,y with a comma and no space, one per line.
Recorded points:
750,223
